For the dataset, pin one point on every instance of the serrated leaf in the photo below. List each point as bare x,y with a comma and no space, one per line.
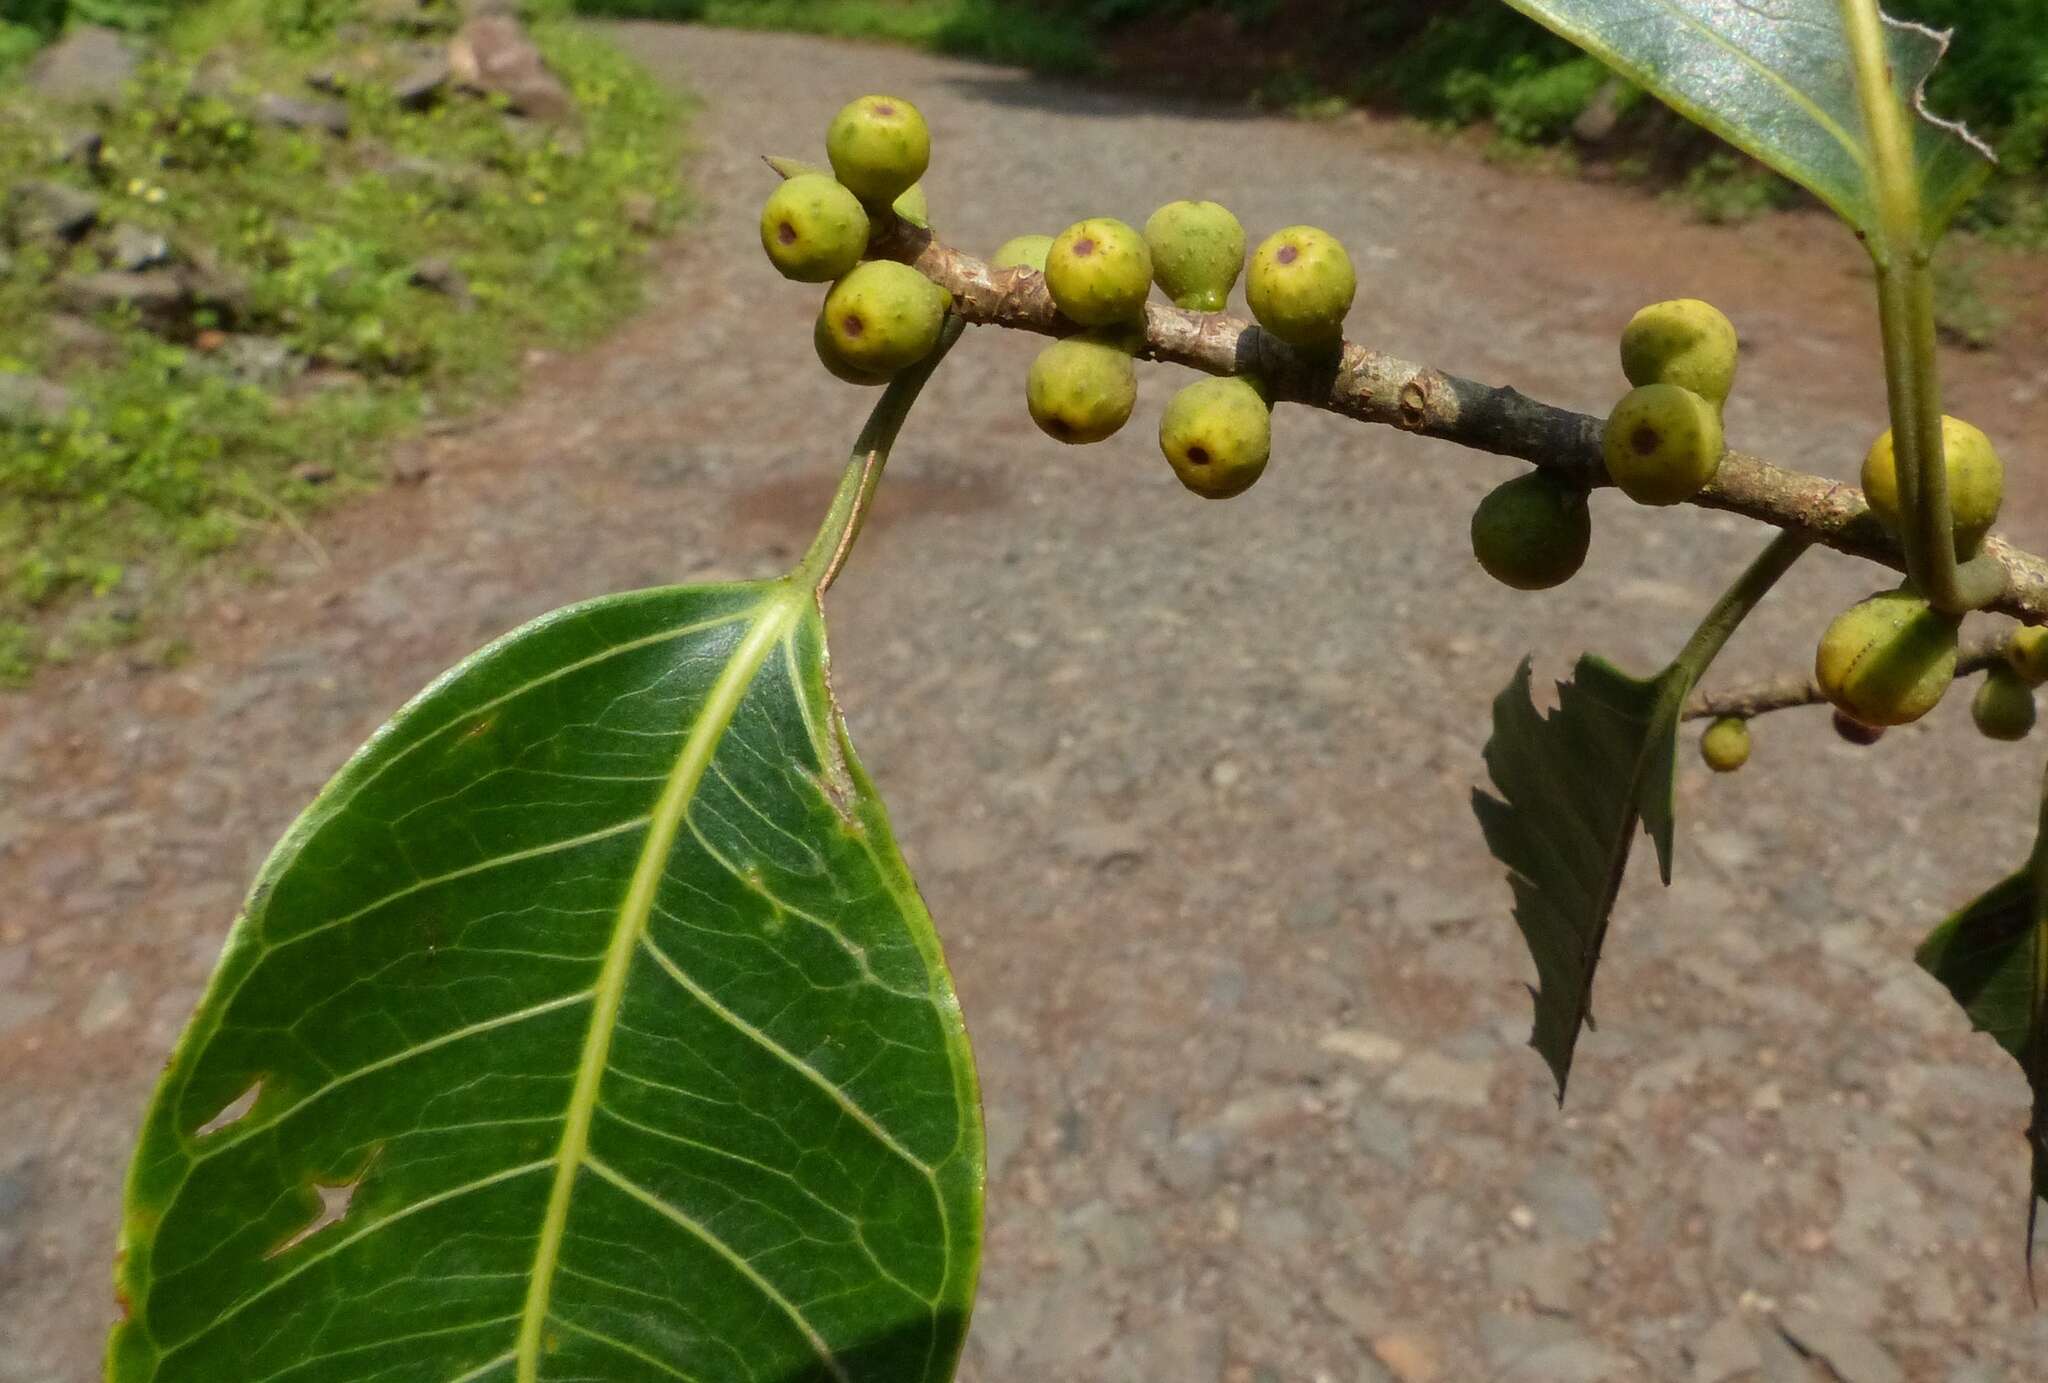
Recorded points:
1574,784
1993,958
1774,78
596,1032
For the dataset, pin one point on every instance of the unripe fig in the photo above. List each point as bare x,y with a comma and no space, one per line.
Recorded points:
913,207
1532,532
1854,731
2004,705
1888,660
836,364
2027,651
879,147
1662,444
1082,388
1976,482
1300,286
1197,253
813,229
1725,745
1027,251
1684,342
884,316
1098,271
1217,434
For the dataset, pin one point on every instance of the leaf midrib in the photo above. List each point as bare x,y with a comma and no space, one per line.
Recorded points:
773,620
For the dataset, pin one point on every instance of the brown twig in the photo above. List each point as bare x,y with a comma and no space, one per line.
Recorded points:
1378,388
1787,693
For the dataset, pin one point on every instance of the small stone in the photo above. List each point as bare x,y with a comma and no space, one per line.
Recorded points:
39,211
1435,1078
1847,1350
1410,1358
1224,774
492,54
131,248
439,275
1596,122
31,401
1726,1351
1767,1098
1367,1048
160,297
108,1006
292,113
258,359
1383,1135
80,148
90,64
1550,1272
641,211
1566,1199
423,85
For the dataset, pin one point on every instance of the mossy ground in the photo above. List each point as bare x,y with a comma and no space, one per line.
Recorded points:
168,455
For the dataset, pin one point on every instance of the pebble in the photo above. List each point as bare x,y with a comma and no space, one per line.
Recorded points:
1566,1199
1852,1354
1432,1078
1410,1358
1367,1048
108,1006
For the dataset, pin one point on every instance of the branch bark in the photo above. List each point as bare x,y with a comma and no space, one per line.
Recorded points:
1375,387
1787,693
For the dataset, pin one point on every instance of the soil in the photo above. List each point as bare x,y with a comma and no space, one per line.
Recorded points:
1186,786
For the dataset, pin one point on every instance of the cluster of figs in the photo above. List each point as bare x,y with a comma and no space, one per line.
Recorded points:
1884,662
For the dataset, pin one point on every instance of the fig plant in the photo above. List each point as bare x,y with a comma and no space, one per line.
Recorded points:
588,1024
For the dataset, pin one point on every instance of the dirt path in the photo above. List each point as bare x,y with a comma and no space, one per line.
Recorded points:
1186,787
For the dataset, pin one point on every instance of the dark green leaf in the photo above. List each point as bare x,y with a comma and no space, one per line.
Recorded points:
597,1032
1573,786
1993,957
1774,78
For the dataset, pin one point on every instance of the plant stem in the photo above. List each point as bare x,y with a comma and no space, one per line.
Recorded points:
1734,607
828,551
1900,250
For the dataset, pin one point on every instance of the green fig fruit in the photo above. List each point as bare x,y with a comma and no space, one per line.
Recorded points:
1098,272
884,316
813,229
1217,435
1662,444
879,147
1684,342
1888,660
1082,388
1976,482
2027,651
835,364
1532,532
1197,253
913,207
1022,251
1300,286
2004,706
1725,745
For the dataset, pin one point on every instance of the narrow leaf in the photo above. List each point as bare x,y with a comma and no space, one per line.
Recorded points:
1774,78
1574,785
595,1030
1993,958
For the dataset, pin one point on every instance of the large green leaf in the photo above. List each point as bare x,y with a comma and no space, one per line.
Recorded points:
1574,784
597,1032
1993,957
1774,78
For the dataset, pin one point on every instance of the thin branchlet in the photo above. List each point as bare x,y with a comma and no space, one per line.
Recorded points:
1374,387
1789,693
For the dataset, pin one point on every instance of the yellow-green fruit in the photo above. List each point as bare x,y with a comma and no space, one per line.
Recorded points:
1532,532
913,207
884,316
1725,745
813,229
834,363
1218,435
1022,251
2027,651
1684,342
1081,389
1197,253
1976,482
1098,271
879,147
1300,286
2004,705
1662,444
1889,660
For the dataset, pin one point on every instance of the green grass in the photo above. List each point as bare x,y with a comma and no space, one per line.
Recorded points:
169,456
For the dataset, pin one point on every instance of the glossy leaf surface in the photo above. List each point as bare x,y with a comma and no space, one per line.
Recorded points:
1574,784
596,1032
1774,78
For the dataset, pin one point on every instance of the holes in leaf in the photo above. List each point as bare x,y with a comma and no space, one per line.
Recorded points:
233,1112
335,1199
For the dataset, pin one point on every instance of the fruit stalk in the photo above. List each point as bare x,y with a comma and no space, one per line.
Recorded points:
1790,693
